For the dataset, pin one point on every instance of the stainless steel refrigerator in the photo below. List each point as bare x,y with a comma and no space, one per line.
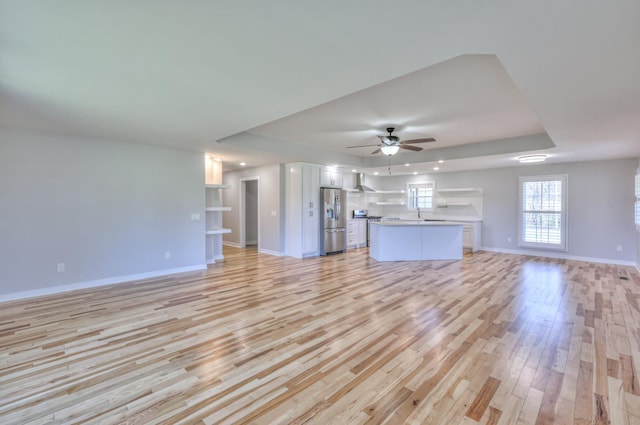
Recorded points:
333,237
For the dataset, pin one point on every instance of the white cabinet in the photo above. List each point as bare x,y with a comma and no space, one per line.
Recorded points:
310,211
213,222
302,222
356,233
471,235
330,177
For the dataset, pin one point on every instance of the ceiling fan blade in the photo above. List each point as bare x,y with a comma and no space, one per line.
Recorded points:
376,151
427,140
411,148
362,146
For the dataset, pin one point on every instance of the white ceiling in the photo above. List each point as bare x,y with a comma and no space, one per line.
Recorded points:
265,82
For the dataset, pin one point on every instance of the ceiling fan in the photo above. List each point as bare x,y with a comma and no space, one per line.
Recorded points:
391,144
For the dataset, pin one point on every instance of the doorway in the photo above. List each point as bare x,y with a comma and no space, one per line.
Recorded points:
249,207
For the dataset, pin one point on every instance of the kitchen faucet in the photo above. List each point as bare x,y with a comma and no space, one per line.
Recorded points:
419,212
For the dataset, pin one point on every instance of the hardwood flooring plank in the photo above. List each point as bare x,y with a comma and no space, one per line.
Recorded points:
258,339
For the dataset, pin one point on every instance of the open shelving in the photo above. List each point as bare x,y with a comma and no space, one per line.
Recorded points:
213,221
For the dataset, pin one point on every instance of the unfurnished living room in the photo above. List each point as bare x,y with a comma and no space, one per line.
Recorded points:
364,212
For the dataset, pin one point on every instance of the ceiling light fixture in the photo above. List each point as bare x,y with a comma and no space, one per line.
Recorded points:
440,161
375,174
527,159
407,164
436,168
390,149
242,164
415,173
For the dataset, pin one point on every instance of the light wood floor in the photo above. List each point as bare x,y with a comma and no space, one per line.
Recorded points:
257,339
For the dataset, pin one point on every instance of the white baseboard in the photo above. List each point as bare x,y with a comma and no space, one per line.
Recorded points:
214,259
260,250
233,244
95,283
267,251
560,255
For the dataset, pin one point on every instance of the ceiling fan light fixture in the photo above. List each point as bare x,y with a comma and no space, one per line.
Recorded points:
390,149
527,159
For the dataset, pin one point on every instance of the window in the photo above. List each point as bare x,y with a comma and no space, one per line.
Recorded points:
420,195
638,201
542,221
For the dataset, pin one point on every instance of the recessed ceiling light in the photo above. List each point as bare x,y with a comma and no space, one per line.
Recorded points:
436,168
354,171
526,159
242,164
441,161
415,173
375,174
407,164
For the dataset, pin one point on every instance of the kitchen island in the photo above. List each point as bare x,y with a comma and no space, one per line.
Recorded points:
415,240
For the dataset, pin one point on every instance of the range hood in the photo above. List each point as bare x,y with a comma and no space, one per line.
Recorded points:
360,184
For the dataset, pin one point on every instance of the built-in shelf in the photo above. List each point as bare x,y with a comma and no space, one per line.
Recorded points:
453,204
213,222
218,231
388,203
459,189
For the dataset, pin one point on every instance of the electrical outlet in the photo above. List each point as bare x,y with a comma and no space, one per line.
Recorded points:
167,255
60,267
619,248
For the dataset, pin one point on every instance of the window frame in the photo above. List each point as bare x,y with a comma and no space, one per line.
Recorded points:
432,184
563,246
637,203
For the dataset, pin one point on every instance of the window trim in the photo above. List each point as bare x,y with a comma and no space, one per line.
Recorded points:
637,203
433,195
564,245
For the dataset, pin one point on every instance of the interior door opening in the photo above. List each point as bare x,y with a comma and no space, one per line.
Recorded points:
250,234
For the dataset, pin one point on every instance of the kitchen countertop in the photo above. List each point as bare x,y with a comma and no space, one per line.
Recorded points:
416,223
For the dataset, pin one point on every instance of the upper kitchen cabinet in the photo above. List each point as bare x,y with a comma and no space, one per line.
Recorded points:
330,177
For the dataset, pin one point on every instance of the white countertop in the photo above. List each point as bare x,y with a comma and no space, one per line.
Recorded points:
416,223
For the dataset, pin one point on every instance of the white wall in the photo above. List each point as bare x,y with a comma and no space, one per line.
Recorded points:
600,204
271,240
108,210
